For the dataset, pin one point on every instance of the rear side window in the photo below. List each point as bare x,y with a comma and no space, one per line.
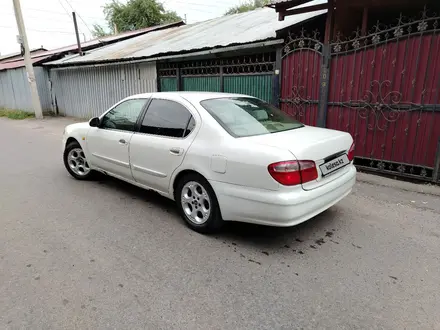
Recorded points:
190,127
167,118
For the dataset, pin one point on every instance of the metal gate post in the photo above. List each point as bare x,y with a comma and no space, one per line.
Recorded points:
222,80
276,79
436,173
179,78
158,77
324,86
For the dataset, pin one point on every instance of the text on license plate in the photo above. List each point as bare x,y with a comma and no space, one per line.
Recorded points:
334,164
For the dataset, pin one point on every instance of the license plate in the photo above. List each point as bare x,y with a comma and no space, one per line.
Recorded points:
334,164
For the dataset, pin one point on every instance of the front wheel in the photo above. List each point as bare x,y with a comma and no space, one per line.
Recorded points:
76,163
198,204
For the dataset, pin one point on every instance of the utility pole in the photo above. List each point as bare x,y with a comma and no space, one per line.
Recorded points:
27,60
77,34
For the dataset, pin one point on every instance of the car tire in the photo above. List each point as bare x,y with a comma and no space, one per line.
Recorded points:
197,204
76,162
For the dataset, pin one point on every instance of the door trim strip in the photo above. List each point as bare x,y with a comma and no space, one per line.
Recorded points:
112,160
148,171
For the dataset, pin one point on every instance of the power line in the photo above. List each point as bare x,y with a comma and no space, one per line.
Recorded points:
79,16
67,13
45,11
37,30
57,12
36,17
65,10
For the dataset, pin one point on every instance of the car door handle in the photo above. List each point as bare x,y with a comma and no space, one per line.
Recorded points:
176,151
122,141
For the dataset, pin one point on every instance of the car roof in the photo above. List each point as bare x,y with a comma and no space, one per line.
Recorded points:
193,97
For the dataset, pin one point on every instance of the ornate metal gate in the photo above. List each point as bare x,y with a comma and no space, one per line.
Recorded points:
383,88
302,64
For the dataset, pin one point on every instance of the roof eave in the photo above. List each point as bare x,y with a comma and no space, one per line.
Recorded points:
180,56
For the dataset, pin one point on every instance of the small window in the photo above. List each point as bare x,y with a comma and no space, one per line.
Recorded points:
124,115
167,118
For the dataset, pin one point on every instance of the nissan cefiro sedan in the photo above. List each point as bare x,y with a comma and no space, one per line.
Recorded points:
220,157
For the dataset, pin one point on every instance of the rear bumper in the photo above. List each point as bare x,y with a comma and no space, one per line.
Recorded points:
280,208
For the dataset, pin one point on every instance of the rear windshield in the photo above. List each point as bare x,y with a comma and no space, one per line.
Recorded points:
242,116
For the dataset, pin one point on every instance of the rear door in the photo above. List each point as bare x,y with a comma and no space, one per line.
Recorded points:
108,144
165,134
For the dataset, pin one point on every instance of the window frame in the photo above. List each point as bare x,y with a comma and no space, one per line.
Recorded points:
183,137
136,124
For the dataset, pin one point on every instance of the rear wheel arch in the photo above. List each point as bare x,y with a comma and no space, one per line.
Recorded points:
184,173
181,175
215,221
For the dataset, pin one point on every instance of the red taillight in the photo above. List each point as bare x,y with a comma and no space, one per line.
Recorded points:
293,172
308,170
351,152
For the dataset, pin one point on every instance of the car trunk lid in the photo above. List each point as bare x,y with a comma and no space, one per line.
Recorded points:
327,148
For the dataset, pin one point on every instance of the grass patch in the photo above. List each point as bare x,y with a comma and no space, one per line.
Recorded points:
16,114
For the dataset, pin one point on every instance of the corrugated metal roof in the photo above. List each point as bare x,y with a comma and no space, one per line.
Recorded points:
20,63
12,56
91,44
112,38
275,2
256,25
296,3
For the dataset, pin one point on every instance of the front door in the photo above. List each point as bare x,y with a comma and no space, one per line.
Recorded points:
108,144
161,143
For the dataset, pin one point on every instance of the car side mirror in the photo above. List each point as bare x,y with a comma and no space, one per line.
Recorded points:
94,122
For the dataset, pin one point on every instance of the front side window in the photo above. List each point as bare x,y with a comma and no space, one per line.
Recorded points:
124,115
243,116
167,118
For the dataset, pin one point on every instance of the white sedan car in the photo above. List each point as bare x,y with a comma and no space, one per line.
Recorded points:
221,157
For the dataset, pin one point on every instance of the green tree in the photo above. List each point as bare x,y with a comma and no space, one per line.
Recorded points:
247,6
98,31
134,15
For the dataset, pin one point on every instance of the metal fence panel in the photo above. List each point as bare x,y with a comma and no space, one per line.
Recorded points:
89,91
255,85
7,98
15,93
201,84
168,84
43,86
252,74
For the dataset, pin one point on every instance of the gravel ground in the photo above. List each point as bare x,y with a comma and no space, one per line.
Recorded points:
106,255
